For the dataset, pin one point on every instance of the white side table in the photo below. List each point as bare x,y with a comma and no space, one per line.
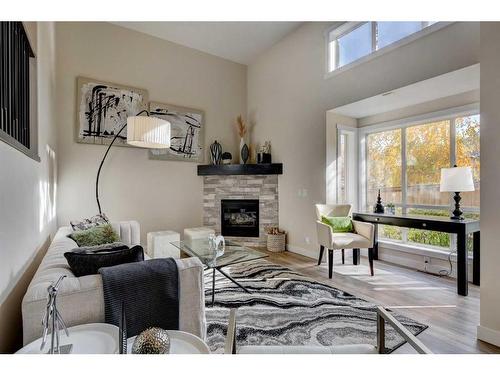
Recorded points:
92,338
102,338
159,244
200,233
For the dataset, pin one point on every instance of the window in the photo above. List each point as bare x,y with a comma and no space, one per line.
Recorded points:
467,150
342,168
347,182
15,97
427,151
354,45
354,40
384,166
390,32
404,162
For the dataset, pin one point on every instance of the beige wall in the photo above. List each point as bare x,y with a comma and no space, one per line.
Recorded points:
458,100
27,197
489,329
288,97
159,194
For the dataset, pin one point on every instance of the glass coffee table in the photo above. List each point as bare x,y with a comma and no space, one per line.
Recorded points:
233,253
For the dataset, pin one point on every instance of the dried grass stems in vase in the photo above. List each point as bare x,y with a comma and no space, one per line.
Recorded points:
242,128
274,231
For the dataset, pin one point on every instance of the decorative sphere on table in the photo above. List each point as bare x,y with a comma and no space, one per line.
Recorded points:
152,341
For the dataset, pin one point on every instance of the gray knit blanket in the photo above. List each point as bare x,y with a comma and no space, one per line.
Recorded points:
149,290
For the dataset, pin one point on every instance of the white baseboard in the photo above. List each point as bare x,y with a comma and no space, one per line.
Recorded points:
489,335
301,251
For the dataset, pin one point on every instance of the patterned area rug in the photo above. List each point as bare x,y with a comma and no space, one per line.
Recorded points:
287,308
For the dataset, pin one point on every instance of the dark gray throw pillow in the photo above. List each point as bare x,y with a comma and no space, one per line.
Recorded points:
87,260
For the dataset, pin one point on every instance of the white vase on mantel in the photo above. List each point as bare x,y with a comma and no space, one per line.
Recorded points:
242,143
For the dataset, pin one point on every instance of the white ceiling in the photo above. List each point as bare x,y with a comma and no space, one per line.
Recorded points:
241,42
452,83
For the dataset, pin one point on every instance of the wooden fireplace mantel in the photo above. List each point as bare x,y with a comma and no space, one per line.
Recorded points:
240,169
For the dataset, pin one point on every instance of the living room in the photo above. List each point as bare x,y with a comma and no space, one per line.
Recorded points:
299,176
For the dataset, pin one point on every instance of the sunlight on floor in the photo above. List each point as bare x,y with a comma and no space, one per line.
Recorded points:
422,307
414,288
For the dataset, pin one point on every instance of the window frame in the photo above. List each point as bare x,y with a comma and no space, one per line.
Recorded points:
32,151
335,32
449,114
351,160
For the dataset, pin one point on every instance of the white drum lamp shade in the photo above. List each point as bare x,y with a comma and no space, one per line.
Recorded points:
457,179
148,132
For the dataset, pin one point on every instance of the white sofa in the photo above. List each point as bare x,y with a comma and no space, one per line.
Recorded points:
80,299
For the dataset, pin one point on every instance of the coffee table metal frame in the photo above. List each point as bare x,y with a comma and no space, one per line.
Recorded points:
200,249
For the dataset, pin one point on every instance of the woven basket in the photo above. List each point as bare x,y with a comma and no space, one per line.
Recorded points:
276,242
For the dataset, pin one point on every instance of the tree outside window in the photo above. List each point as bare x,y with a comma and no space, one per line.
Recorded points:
428,149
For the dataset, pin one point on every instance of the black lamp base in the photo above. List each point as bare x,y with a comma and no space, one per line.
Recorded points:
457,212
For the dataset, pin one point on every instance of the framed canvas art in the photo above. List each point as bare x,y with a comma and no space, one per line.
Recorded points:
103,108
186,132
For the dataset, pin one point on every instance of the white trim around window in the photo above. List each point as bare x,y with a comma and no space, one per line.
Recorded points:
335,32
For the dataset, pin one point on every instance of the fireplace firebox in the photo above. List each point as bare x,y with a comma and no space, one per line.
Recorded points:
240,217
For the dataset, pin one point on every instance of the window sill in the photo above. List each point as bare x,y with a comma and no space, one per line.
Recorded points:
419,250
410,38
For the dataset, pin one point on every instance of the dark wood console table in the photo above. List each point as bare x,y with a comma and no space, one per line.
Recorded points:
441,224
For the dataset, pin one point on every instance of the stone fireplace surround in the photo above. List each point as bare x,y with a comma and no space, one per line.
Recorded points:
261,187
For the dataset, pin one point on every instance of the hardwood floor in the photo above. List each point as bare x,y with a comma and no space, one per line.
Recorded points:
452,319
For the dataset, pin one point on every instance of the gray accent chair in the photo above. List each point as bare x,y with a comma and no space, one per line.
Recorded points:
363,236
80,299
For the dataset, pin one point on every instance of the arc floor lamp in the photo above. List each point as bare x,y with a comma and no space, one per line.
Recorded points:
142,131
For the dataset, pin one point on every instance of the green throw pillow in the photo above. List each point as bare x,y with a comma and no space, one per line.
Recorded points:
338,224
95,236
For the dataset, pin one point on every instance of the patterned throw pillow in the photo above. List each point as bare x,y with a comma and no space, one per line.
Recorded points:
95,236
338,224
94,221
88,260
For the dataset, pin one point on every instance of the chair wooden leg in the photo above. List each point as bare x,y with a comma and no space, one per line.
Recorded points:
321,251
370,259
343,256
330,263
355,256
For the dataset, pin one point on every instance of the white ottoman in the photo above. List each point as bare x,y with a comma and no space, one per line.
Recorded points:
200,233
159,244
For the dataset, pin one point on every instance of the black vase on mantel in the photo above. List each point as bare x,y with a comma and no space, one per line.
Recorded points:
379,208
245,153
264,158
216,153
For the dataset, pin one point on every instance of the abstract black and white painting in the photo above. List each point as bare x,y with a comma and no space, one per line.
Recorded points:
103,109
186,132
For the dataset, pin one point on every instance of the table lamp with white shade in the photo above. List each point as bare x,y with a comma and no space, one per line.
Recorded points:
456,180
143,131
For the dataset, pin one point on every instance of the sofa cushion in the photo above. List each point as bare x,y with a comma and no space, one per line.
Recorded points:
88,260
95,236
